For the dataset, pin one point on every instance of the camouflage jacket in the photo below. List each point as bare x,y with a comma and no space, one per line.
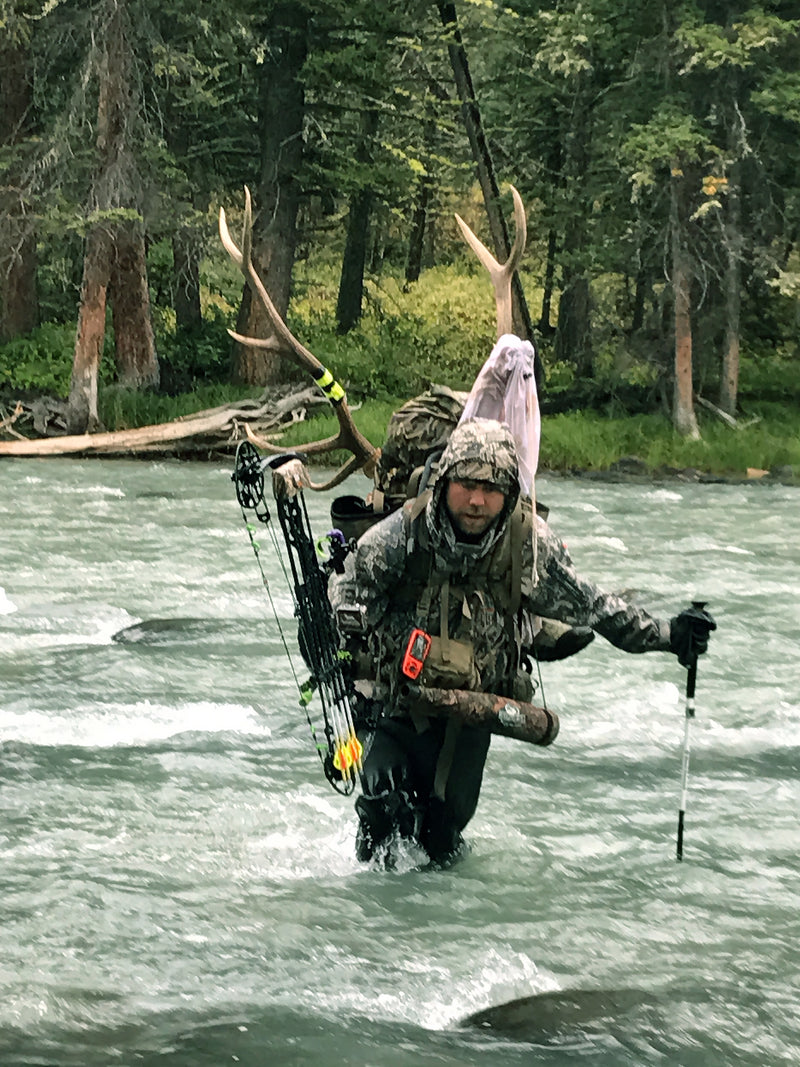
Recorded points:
376,577
380,577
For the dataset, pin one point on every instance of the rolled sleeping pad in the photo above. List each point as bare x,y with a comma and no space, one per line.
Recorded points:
488,711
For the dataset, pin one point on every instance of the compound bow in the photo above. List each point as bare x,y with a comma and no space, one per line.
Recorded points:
318,636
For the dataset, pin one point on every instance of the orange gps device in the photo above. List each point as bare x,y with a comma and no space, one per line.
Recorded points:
418,647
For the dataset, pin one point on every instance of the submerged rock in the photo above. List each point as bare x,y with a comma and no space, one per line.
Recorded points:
547,1015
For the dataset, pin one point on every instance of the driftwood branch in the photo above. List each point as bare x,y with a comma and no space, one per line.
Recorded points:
216,429
8,420
729,420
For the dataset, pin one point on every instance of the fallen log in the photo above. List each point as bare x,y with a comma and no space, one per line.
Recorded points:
215,429
729,420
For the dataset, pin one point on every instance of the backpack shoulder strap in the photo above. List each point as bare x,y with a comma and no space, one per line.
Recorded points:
418,505
521,528
418,554
506,564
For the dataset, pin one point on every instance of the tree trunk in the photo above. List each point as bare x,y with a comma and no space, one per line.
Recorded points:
134,345
282,111
573,343
18,293
114,263
729,382
639,293
484,163
683,415
19,299
82,416
351,282
416,239
419,223
544,327
420,236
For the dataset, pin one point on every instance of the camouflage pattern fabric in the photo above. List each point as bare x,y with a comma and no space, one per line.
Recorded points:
485,451
376,576
418,428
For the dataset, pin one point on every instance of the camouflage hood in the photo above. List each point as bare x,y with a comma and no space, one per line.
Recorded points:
483,450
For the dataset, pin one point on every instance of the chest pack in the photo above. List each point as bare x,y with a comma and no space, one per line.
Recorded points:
450,662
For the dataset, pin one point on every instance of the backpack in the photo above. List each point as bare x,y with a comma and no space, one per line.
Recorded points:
417,432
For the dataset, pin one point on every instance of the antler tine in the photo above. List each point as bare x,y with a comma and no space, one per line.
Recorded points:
314,448
501,274
247,232
349,437
242,258
329,443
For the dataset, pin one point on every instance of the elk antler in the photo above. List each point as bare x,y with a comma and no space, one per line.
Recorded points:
501,273
365,455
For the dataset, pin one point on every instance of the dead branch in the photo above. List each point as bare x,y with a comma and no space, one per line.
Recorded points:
729,420
216,429
9,420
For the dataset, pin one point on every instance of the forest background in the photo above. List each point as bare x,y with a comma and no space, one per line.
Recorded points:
656,147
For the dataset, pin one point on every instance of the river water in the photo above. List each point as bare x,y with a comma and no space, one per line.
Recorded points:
178,880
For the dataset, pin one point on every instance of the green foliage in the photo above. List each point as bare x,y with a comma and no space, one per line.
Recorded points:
125,409
40,362
671,133
191,358
191,361
587,441
713,46
567,39
220,284
768,378
780,96
438,330
617,95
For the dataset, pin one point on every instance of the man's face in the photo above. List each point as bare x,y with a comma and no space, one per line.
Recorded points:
473,505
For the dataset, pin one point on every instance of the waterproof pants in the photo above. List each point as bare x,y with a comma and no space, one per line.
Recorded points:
398,798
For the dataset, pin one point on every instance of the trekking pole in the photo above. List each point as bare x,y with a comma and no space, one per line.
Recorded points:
691,679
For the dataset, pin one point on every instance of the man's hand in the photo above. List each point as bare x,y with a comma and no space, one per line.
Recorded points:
290,478
688,634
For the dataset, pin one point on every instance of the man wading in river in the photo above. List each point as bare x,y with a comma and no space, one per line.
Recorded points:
468,567
446,593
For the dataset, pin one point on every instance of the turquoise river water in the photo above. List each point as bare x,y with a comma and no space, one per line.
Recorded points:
177,878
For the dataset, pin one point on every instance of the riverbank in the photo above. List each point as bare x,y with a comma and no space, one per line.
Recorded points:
763,444
632,470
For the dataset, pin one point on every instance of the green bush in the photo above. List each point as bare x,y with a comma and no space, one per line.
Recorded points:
769,376
438,330
191,358
40,362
